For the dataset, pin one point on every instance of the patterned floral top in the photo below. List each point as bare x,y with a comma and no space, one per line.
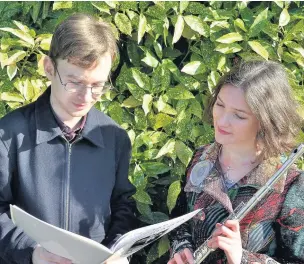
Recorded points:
273,232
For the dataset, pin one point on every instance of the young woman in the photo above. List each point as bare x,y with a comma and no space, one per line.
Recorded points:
255,122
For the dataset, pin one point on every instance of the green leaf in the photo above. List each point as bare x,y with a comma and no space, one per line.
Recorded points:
154,168
123,23
173,193
141,79
295,29
22,27
258,23
160,78
141,27
178,29
179,92
194,67
183,5
228,48
150,60
162,106
102,7
138,178
116,112
158,49
131,102
152,254
62,5
142,197
240,24
284,18
147,103
259,49
45,42
230,38
26,88
11,71
36,10
197,24
17,56
111,3
132,136
295,46
133,53
20,34
279,3
136,91
140,119
168,148
3,59
195,108
162,120
163,246
144,209
183,152
12,97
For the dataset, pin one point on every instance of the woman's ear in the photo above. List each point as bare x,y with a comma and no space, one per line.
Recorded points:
49,68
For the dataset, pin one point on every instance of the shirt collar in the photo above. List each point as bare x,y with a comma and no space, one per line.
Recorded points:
48,128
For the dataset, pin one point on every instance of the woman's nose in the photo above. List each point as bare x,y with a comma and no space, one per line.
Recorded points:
223,120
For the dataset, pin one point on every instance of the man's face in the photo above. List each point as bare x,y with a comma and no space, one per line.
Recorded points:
70,105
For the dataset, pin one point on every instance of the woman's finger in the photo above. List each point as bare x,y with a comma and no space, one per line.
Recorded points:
233,225
189,256
178,258
221,242
222,230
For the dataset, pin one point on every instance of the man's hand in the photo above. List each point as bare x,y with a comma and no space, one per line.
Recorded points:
42,256
228,238
118,261
182,257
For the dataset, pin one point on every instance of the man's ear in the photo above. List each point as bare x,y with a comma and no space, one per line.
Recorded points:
49,68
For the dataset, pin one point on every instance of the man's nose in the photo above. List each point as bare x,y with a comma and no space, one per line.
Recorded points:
86,94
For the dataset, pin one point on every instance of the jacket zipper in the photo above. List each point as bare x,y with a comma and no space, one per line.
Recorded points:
67,189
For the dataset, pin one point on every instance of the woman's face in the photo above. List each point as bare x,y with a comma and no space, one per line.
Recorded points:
234,122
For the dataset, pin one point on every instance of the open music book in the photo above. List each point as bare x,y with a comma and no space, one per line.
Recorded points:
82,250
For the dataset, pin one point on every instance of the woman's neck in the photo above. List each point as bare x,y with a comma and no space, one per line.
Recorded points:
238,155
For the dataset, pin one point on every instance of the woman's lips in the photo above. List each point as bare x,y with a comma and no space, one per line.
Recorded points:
223,132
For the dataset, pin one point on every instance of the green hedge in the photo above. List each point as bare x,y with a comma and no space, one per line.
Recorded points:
171,56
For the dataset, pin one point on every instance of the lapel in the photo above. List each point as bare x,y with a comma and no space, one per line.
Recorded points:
212,183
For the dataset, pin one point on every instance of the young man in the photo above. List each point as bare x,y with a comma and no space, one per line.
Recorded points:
62,160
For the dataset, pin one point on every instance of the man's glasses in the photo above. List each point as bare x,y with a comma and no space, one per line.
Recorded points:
77,87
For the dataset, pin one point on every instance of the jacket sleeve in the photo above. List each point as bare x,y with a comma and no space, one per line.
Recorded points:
289,228
122,205
15,246
180,238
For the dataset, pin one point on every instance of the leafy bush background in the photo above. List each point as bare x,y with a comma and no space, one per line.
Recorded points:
171,57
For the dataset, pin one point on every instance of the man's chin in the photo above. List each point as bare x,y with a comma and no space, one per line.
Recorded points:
80,113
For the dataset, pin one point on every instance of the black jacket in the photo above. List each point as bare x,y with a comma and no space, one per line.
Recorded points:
82,187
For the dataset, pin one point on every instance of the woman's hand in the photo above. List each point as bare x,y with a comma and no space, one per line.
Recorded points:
228,238
182,257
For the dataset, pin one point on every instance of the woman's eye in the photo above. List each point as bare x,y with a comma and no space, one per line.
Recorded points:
220,105
240,117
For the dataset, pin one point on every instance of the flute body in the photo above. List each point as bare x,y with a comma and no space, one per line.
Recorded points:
240,212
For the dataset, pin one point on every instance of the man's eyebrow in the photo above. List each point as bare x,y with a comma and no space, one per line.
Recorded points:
239,110
82,79
74,76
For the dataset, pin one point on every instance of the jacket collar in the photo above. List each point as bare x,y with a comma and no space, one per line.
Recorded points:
47,128
259,175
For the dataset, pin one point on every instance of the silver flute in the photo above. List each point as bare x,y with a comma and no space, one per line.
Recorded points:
240,212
